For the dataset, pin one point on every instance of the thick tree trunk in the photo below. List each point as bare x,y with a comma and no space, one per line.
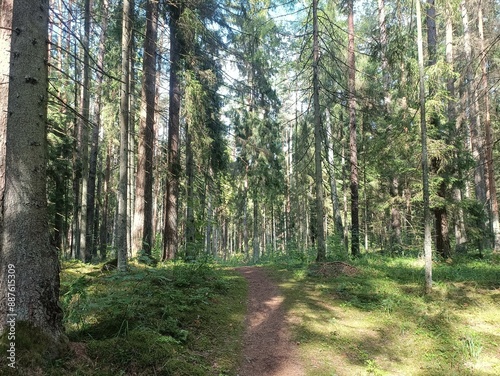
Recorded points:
121,228
318,176
29,276
353,147
170,234
143,219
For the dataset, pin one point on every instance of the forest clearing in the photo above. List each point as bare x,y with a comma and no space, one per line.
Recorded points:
256,187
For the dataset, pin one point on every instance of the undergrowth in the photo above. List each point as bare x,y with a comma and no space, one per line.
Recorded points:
379,321
174,319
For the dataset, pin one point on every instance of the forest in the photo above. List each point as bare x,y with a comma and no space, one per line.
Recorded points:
152,150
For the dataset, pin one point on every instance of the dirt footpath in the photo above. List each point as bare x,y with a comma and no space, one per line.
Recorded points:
268,349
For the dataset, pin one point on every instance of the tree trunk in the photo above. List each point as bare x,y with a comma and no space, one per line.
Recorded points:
143,218
337,216
492,190
94,148
190,221
83,134
459,225
383,45
121,228
255,238
474,136
425,165
440,213
103,232
353,147
29,276
318,176
171,235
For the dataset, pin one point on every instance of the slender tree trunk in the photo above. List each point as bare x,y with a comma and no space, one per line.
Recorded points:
255,238
143,219
103,232
474,139
190,221
121,228
353,147
320,230
344,188
29,264
425,165
245,214
384,59
131,165
339,227
94,148
440,213
459,225
83,133
492,191
171,235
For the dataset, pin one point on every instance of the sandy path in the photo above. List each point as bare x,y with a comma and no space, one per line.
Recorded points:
268,349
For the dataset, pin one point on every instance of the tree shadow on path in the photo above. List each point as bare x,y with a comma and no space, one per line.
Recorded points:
268,348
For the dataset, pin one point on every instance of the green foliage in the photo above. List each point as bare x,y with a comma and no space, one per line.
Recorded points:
368,322
157,320
34,350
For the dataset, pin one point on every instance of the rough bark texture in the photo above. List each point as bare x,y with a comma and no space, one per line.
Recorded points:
268,348
170,234
121,228
318,176
143,218
83,136
459,223
353,147
190,220
25,248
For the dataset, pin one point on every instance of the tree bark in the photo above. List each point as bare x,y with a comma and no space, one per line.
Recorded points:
459,225
29,276
170,233
83,134
190,221
255,219
318,176
337,216
425,165
103,231
492,190
143,218
121,228
440,213
353,147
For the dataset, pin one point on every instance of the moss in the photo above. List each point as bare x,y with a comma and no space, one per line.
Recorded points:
33,350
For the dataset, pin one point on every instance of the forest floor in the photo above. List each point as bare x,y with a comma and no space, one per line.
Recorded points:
289,317
268,348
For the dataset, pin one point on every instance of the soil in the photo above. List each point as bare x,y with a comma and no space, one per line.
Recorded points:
268,347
